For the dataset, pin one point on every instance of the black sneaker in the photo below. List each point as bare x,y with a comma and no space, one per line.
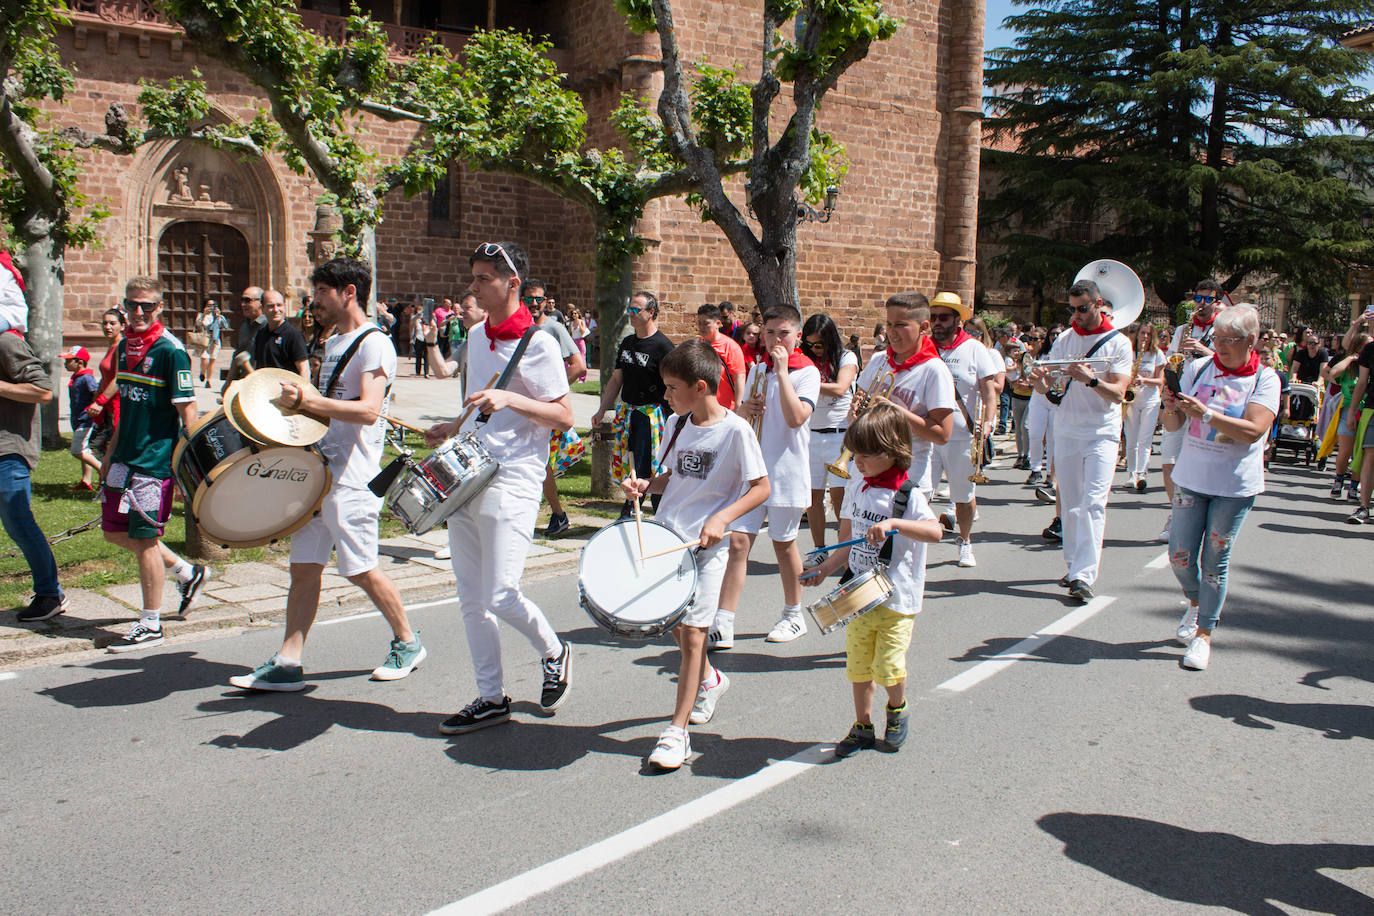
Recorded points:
479,713
556,671
627,511
190,589
138,637
897,721
1035,479
558,523
1337,486
1063,582
1055,532
1080,590
1352,491
43,607
860,737
1359,517
1044,494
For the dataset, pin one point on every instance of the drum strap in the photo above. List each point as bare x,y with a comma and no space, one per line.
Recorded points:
900,500
677,431
515,358
346,358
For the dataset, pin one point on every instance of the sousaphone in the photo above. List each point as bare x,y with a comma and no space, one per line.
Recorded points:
1120,286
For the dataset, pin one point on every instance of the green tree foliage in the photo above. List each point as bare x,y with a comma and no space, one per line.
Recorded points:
1205,137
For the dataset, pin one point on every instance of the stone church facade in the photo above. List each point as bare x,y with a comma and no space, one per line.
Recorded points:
210,222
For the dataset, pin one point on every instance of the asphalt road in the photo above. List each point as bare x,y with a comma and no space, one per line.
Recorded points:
1090,773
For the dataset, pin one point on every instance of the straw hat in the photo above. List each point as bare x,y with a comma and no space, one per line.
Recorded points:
952,301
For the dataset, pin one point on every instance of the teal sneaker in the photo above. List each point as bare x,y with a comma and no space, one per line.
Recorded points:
271,676
403,658
860,737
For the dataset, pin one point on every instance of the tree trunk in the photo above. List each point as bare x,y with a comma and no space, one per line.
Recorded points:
774,276
614,284
44,271
197,547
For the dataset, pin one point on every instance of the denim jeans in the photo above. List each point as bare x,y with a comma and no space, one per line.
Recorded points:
15,493
1201,536
1003,410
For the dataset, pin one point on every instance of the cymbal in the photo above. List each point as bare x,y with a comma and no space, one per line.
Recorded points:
255,405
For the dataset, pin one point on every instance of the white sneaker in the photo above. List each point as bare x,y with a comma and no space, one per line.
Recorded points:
674,747
812,561
966,553
787,629
1187,626
722,632
1164,534
1199,653
443,553
707,697
941,491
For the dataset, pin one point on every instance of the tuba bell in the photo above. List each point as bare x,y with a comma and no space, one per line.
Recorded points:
1119,285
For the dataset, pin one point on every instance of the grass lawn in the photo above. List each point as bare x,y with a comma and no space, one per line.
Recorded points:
592,388
87,561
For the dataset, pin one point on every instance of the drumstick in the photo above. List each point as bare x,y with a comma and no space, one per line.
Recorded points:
639,524
820,550
664,553
467,413
395,422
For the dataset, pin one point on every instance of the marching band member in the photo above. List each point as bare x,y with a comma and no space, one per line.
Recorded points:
885,506
839,367
714,473
1087,431
1193,341
490,536
1142,412
359,366
792,387
978,377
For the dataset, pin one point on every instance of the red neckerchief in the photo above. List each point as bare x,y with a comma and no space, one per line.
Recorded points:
136,344
958,339
8,263
78,373
1208,322
1250,368
890,479
795,360
513,328
924,351
1102,328
19,334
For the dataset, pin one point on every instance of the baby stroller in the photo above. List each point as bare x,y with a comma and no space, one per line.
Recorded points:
1297,431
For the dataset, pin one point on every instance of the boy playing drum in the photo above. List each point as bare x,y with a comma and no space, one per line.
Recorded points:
714,475
884,503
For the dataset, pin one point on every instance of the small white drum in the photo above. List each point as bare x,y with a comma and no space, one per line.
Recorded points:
630,600
853,599
430,490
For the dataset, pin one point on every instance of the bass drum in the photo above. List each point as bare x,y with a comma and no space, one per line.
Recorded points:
243,493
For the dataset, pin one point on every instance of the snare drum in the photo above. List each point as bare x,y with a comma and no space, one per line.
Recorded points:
428,491
628,600
242,493
853,599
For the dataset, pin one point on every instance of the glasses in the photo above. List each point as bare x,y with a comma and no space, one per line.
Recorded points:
1080,309
1228,340
146,308
491,250
634,310
249,298
535,300
942,317
811,343
1204,300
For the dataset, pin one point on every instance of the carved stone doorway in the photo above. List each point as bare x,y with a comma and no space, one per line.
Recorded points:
198,261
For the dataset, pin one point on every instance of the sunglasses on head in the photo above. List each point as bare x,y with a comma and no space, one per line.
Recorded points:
491,250
146,308
1200,299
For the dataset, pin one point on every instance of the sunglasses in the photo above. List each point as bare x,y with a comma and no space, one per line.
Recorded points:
1080,309
249,298
146,308
634,310
942,317
535,300
1205,300
491,250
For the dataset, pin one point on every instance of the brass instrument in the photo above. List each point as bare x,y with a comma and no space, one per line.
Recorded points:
1129,396
1176,361
975,452
882,387
1058,369
756,389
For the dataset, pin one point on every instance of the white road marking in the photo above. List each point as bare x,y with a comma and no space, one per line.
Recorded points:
1021,651
546,877
1159,562
366,614
7,675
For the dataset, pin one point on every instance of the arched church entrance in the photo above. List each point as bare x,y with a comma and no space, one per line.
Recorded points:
196,261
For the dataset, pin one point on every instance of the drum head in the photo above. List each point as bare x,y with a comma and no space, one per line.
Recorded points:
613,580
261,497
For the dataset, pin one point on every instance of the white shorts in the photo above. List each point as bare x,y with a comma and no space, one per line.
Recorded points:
1170,444
347,522
710,573
958,468
783,522
825,448
79,439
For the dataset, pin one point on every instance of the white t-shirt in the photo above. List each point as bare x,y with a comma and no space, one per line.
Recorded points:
924,387
1223,468
969,363
566,347
1149,363
907,568
1085,414
354,451
1202,335
787,449
521,446
833,413
710,466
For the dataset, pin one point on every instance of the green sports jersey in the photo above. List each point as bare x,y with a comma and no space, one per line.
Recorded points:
148,395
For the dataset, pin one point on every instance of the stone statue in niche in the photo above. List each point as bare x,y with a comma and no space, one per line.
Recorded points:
182,177
204,195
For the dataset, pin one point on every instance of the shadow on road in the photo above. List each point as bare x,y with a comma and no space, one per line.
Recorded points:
302,717
1212,869
1075,650
733,661
150,678
1342,721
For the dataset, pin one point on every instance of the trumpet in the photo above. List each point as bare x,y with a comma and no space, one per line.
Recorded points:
882,387
975,452
1058,369
756,390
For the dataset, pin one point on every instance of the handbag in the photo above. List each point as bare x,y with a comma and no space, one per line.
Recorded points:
198,338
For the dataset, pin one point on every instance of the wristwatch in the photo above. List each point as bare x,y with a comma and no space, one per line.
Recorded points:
1207,415
1094,383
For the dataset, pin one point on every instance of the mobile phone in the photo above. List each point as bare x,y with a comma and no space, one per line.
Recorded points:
428,305
1369,313
1171,380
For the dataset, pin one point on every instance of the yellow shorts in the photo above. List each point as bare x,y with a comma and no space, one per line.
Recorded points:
875,647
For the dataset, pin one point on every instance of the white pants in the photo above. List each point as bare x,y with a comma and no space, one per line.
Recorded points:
1084,469
490,538
1139,427
1040,428
1171,444
953,459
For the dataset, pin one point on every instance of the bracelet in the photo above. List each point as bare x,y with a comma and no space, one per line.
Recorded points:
300,396
101,400
1207,416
